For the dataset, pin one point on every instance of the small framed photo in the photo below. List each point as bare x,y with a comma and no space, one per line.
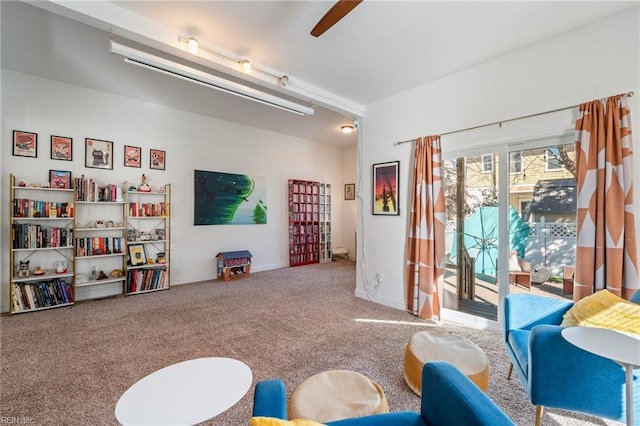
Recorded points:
59,179
61,148
157,159
137,255
98,154
386,179
132,156
350,191
25,144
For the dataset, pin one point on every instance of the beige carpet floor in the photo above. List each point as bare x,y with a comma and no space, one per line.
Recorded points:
69,366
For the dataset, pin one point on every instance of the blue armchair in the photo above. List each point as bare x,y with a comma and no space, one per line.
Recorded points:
554,372
448,398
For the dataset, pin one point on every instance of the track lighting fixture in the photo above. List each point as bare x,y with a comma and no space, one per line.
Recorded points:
174,69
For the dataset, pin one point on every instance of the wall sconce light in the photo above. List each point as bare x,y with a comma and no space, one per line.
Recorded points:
346,129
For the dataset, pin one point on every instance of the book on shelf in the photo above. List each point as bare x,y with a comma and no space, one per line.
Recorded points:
27,235
40,294
87,189
27,208
146,279
97,246
137,209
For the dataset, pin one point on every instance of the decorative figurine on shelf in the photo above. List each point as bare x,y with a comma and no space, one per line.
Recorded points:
160,258
144,186
60,267
39,271
23,269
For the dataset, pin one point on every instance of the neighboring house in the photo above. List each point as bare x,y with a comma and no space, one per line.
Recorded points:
539,183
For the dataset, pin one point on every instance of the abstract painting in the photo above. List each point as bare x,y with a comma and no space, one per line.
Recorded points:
229,199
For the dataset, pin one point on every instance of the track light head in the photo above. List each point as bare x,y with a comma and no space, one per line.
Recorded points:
192,44
283,81
246,66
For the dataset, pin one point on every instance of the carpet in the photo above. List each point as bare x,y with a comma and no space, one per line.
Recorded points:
69,366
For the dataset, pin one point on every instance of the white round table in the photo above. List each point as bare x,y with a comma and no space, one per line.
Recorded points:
618,346
186,393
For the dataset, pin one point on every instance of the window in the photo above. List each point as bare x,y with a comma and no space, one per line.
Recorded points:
552,159
487,163
515,162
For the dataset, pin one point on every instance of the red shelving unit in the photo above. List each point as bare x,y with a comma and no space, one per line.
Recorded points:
304,222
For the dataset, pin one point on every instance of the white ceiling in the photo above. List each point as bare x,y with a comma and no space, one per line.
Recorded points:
381,48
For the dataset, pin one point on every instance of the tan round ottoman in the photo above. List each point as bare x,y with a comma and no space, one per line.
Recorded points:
463,353
337,394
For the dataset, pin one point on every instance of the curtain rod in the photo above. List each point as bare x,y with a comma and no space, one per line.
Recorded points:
628,94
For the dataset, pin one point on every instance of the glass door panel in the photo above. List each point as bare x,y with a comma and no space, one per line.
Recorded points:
542,188
471,191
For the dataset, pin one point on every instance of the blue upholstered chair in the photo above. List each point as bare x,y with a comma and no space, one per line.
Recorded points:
556,373
448,398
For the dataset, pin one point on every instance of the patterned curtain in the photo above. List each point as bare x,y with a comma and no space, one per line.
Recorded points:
606,239
425,242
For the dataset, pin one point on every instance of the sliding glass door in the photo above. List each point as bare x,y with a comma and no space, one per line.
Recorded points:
510,215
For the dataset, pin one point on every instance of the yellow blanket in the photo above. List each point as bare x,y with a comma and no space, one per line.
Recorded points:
269,421
604,309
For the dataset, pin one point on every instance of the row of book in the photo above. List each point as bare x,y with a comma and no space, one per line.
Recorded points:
139,280
89,190
302,217
40,294
304,258
26,235
303,248
97,246
308,187
148,209
300,229
33,208
304,238
303,207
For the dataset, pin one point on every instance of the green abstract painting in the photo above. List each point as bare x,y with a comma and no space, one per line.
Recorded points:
229,199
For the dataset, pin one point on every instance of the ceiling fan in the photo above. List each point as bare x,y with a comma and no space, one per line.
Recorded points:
336,13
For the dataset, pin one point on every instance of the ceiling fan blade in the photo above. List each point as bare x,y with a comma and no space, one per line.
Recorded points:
336,13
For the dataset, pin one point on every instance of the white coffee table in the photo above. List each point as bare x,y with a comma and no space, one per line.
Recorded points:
186,393
618,346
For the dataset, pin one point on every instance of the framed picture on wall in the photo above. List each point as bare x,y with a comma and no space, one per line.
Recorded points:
157,159
386,180
25,144
61,148
59,179
132,156
98,154
350,191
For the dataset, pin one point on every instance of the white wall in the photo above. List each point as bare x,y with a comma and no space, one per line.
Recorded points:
349,207
595,61
191,141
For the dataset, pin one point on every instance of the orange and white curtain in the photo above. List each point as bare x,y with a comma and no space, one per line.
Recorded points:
425,242
606,236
